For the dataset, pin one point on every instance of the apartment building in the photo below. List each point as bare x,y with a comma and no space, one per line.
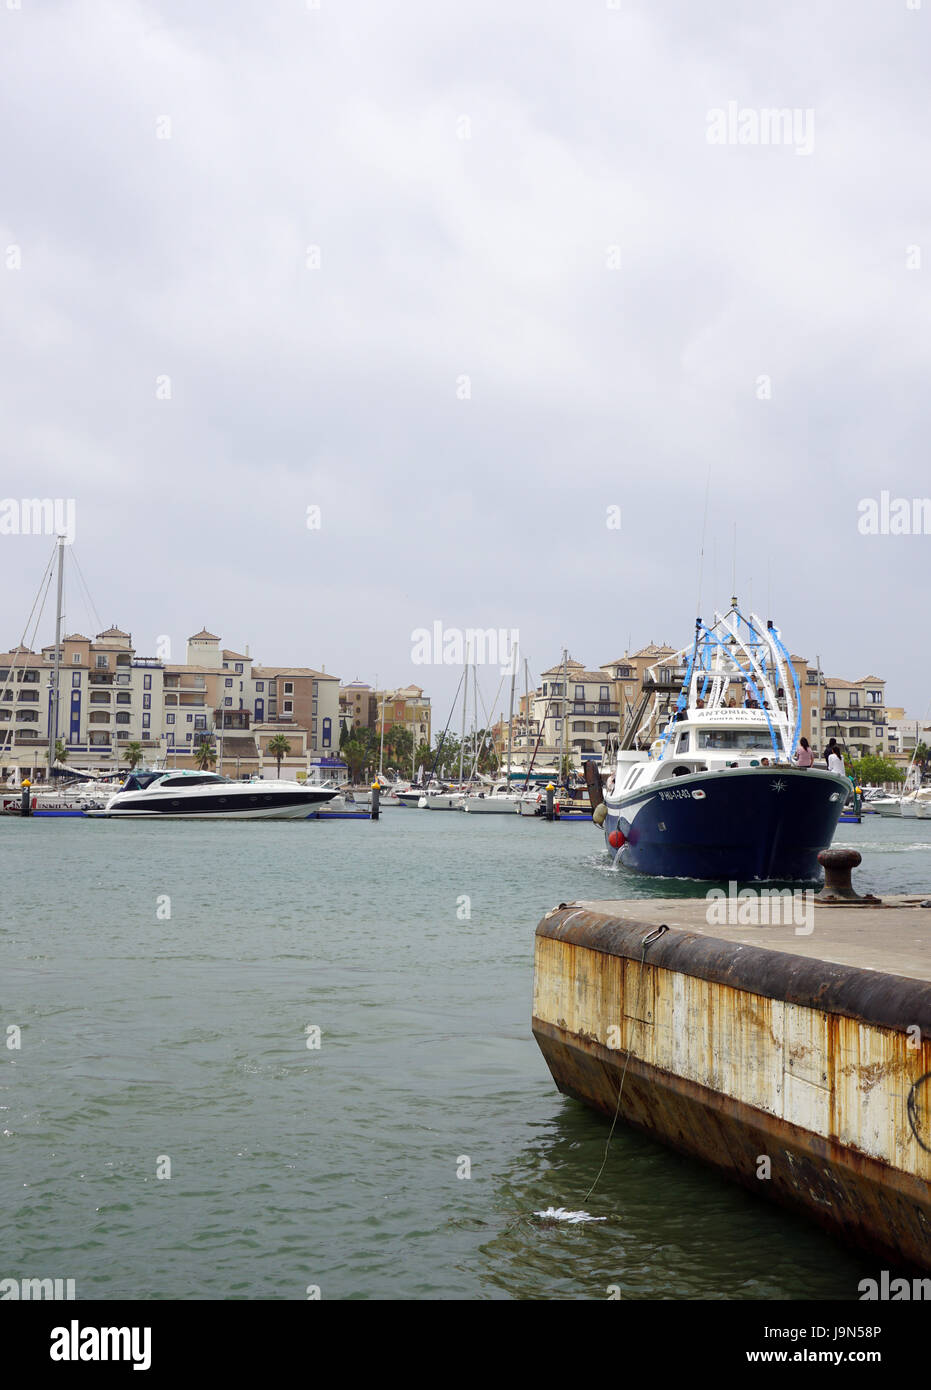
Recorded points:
407,706
110,696
358,705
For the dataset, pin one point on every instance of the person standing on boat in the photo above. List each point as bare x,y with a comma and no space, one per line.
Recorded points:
836,762
804,757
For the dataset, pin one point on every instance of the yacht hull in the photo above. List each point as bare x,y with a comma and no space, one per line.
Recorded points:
740,824
219,806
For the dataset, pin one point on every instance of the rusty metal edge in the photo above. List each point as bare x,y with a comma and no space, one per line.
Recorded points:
863,1167
868,996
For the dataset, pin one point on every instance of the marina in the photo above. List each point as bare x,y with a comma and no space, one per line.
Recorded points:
184,1035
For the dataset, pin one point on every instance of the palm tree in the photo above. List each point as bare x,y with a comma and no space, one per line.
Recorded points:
354,755
279,747
61,752
133,754
204,755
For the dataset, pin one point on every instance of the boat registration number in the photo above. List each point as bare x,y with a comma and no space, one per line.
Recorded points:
680,795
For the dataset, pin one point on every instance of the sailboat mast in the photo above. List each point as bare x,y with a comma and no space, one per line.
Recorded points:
381,749
563,772
53,712
465,694
511,711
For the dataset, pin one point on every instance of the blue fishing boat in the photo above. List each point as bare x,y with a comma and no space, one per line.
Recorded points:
716,793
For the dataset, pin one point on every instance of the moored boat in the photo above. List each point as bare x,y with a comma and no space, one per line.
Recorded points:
175,794
717,795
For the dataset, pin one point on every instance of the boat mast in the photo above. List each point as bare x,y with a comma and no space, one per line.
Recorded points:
381,750
563,772
511,711
475,748
53,712
465,694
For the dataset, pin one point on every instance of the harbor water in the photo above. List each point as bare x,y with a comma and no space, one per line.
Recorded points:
261,1059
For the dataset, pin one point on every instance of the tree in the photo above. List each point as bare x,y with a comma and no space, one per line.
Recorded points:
355,755
61,752
402,744
204,754
133,754
344,734
279,747
871,770
922,758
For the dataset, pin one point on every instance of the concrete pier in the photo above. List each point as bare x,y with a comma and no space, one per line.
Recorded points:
796,1059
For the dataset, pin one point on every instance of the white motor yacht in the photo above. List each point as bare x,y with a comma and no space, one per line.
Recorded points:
174,794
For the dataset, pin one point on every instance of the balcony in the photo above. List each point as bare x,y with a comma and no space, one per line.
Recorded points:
100,678
602,707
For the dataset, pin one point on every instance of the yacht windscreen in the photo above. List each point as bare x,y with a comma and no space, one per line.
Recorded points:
733,738
137,780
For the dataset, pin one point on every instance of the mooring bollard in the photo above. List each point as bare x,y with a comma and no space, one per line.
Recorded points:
376,789
838,888
550,796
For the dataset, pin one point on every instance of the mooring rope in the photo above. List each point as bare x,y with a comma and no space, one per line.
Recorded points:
647,941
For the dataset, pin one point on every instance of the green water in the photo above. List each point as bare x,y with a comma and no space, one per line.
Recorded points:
147,1037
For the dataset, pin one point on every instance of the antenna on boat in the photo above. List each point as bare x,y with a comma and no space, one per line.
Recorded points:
701,551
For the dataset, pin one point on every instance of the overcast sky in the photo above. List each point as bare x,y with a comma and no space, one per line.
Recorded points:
465,277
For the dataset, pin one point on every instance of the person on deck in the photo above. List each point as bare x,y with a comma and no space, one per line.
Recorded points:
804,757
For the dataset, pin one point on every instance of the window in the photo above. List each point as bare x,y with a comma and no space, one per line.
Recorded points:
580,692
623,673
189,718
603,693
558,723
75,658
101,663
313,707
227,699
75,677
169,719
147,682
733,738
146,701
123,697
327,734
122,718
289,687
260,685
288,706
200,721
228,682
239,670
829,697
874,697
146,720
854,698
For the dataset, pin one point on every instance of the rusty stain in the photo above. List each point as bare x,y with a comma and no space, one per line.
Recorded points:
709,1075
